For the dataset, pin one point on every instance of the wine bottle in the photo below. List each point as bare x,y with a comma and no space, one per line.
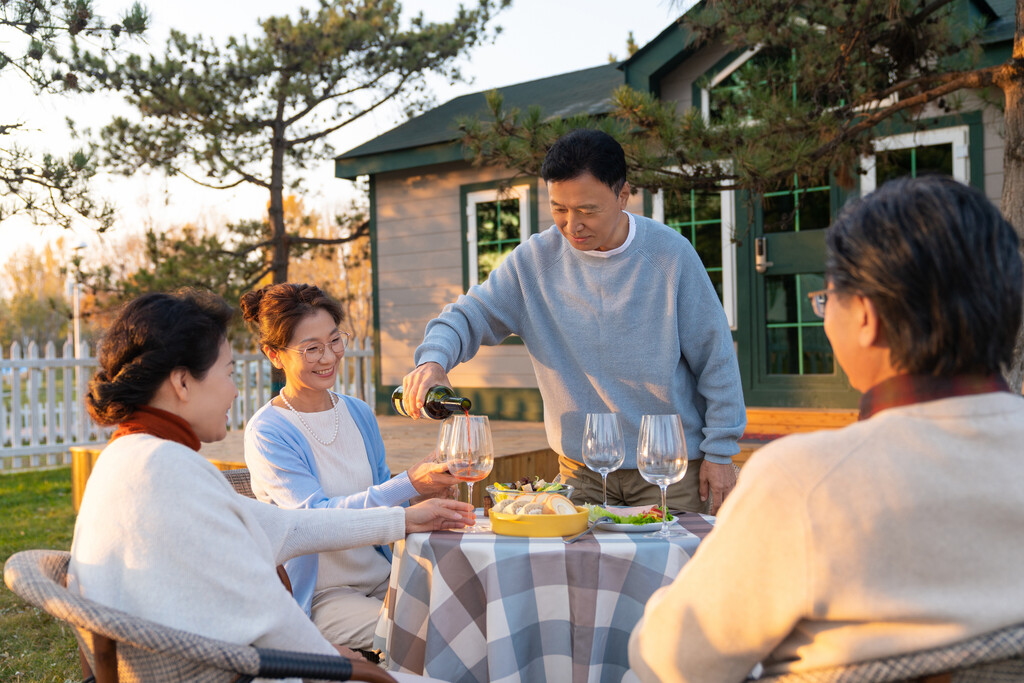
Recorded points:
439,403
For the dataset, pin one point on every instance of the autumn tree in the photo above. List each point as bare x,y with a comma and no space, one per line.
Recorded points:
36,37
219,258
35,307
827,79
260,110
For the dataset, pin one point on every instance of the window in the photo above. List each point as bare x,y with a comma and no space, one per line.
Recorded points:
796,341
706,220
726,89
497,220
938,151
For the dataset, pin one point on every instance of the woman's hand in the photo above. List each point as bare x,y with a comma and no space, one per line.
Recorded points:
438,513
431,479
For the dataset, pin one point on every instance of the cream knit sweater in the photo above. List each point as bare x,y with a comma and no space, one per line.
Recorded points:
162,535
896,534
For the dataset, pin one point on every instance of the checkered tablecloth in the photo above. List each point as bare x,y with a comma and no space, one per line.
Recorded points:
478,607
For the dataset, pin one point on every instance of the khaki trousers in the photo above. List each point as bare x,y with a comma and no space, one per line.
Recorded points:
347,617
627,487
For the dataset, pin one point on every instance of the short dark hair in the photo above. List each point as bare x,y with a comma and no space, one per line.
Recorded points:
151,336
941,266
273,312
586,151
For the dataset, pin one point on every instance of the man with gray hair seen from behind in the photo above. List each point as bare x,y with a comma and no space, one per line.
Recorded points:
901,532
618,315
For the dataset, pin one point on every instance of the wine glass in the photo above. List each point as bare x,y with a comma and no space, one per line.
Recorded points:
444,445
603,449
470,453
661,459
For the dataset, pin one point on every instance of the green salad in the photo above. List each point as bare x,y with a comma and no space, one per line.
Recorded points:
646,517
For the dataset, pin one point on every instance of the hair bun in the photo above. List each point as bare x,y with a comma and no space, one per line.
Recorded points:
250,304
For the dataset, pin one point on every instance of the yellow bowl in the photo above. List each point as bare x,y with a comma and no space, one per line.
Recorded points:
539,525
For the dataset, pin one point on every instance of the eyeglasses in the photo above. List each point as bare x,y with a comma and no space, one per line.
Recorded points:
314,352
818,301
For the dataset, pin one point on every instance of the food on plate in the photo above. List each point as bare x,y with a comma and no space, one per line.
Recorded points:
526,504
528,485
646,516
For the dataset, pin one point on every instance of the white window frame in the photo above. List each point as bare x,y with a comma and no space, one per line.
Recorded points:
522,192
958,136
728,210
705,93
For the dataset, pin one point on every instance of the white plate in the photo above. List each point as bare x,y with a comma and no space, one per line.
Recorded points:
624,511
629,528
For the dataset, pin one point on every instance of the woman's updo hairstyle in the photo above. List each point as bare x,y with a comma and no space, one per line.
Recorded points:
273,312
151,336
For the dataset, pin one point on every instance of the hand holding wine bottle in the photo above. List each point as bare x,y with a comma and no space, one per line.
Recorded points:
412,395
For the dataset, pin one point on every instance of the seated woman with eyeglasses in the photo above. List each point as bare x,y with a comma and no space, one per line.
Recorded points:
161,534
312,448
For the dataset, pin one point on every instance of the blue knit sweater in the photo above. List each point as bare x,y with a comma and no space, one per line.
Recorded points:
640,332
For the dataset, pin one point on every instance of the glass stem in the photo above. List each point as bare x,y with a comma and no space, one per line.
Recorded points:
469,489
664,511
604,482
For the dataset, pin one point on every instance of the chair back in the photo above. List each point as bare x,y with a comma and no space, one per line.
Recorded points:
118,647
240,481
144,651
995,657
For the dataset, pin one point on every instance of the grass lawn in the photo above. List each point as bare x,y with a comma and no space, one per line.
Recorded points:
35,512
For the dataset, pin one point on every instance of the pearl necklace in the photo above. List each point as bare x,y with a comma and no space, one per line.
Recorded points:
334,405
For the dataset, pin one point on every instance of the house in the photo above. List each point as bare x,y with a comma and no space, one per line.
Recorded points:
439,224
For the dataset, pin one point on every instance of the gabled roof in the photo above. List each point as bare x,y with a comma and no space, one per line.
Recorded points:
432,137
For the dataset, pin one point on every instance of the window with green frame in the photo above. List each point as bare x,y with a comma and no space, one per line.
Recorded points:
697,216
498,232
726,90
796,341
497,220
913,161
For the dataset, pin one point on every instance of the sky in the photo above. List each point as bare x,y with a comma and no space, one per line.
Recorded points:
539,38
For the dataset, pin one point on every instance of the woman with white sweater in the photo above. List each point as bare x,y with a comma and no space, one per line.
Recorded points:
161,534
312,448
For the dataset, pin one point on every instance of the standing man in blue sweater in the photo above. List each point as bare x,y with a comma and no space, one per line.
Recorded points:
618,315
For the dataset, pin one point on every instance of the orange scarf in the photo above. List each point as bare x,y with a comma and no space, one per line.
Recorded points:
159,423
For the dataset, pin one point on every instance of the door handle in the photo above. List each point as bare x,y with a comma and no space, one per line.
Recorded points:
761,262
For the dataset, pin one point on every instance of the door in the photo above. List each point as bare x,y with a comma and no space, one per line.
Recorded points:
785,356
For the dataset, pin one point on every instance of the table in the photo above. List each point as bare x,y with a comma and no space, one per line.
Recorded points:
479,607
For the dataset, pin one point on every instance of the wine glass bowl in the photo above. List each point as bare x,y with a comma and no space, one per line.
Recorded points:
470,451
661,459
603,448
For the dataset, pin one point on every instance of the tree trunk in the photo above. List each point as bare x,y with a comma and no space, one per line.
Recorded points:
279,237
1012,84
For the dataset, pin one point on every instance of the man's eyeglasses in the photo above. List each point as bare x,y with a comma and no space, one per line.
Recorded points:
818,301
314,352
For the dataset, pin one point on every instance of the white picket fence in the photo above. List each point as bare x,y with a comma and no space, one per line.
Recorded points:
42,413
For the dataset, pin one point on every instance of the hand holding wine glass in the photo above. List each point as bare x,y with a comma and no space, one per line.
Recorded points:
661,459
471,451
603,448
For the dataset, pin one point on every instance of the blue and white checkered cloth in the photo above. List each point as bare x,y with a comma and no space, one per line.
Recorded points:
471,608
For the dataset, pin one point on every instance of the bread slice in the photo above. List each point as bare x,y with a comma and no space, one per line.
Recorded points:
557,504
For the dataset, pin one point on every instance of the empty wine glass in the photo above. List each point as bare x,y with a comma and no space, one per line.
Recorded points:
661,459
603,449
470,453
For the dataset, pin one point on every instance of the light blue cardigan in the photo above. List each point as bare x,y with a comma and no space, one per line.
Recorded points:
284,472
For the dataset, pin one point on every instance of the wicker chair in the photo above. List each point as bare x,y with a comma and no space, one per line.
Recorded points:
119,647
996,657
241,481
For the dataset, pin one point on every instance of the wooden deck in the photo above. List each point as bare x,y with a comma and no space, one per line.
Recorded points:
520,448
